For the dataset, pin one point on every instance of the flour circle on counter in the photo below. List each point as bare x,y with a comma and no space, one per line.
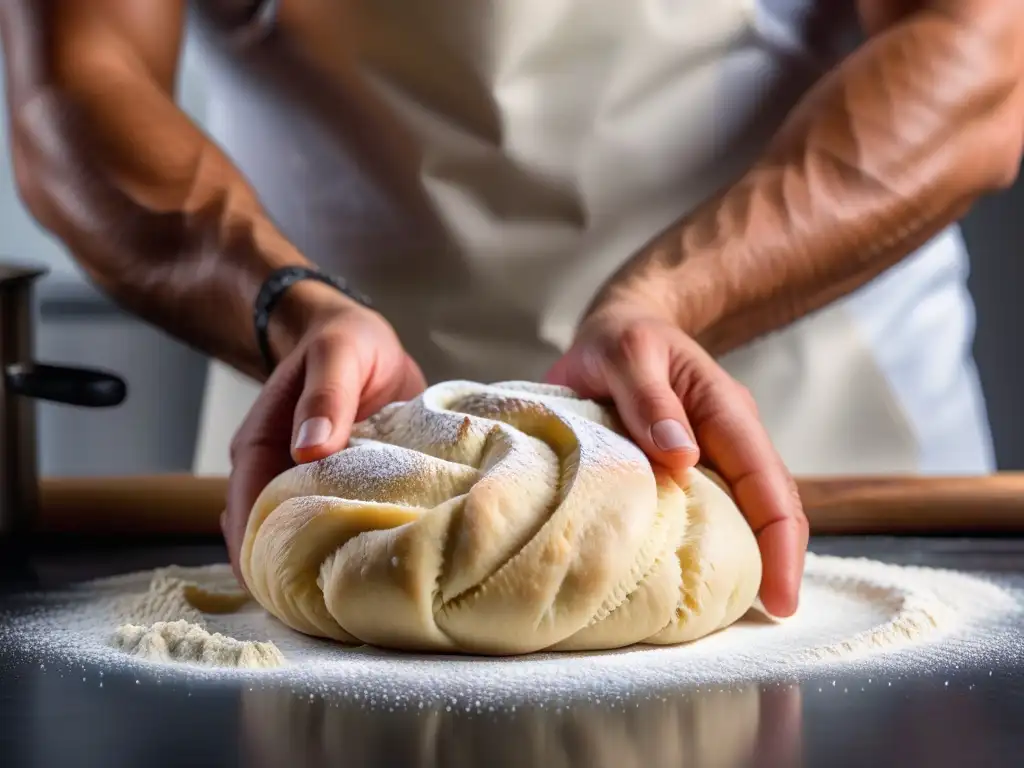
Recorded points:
854,613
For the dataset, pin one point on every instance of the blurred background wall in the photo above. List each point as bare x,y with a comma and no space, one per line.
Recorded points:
995,235
156,428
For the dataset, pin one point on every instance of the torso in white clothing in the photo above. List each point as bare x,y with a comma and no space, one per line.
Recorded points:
480,167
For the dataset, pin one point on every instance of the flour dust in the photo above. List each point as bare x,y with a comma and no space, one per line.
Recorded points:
193,623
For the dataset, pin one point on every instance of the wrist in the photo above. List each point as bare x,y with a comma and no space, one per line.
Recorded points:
622,301
687,292
700,295
302,307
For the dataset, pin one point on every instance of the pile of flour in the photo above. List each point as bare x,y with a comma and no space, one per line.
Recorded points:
166,622
193,622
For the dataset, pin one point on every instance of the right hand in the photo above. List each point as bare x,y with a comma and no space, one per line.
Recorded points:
344,368
632,354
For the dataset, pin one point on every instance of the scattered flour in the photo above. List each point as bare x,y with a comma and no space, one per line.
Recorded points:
193,622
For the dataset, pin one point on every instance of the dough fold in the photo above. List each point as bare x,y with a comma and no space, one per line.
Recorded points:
498,519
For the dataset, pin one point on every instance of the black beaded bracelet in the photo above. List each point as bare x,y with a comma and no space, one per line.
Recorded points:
273,289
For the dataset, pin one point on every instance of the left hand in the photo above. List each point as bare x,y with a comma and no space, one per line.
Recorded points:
673,397
346,365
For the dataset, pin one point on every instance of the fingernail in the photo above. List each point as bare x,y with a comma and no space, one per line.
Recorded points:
670,435
313,432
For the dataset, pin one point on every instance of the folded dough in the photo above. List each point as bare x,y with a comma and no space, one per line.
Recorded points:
498,519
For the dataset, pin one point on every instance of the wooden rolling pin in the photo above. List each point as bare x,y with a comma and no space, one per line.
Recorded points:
189,505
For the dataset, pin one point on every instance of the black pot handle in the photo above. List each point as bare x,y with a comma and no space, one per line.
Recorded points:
71,386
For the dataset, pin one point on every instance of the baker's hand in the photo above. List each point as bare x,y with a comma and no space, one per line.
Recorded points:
344,368
669,391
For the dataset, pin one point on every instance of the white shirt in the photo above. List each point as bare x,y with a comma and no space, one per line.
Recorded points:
480,167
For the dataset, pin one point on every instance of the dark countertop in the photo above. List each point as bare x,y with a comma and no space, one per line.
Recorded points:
972,714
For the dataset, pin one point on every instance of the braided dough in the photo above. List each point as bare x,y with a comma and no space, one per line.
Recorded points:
502,519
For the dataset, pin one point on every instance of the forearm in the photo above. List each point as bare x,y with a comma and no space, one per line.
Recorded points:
889,148
155,213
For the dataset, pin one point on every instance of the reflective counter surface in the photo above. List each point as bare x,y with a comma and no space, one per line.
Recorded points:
964,715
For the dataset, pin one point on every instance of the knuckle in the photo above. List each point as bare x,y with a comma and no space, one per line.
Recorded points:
245,438
633,342
745,398
244,442
238,445
694,371
588,372
652,401
798,505
697,390
324,343
711,394
320,400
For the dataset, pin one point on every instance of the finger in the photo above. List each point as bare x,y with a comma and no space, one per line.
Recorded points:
223,522
405,386
233,546
635,376
413,381
258,465
330,397
762,488
637,373
734,441
260,451
559,373
782,545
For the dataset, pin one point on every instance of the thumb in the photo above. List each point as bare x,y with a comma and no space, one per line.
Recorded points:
651,409
638,382
327,407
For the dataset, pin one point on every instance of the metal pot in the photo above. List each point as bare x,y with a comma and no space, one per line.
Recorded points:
22,382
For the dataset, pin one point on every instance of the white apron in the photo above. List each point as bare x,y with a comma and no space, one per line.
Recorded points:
489,163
